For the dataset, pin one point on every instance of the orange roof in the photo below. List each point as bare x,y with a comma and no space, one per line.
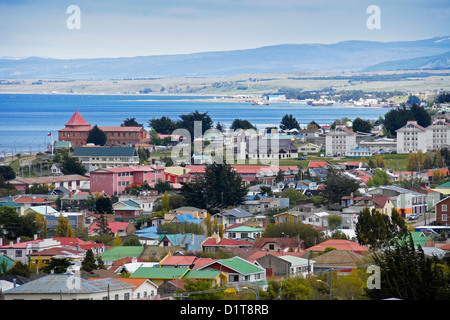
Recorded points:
442,170
317,164
134,281
339,244
179,260
77,120
200,262
262,253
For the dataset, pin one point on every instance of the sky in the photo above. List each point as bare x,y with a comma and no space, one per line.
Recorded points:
117,28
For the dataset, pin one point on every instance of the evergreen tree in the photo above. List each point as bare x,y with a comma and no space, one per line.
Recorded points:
88,263
96,136
288,122
72,165
57,265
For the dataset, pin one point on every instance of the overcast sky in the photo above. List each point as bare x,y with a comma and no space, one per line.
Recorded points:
117,28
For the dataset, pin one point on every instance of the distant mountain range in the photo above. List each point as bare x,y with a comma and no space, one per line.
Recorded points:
350,56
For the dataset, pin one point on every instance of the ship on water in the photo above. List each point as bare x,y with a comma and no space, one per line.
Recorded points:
321,102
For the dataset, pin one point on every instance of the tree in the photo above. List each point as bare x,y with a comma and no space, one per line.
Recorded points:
131,122
64,229
294,195
7,173
96,136
266,190
334,221
103,205
219,188
439,160
360,125
279,177
188,122
57,265
376,229
242,124
164,125
202,285
72,165
397,118
379,178
288,122
306,232
88,263
406,273
339,185
293,288
18,269
117,241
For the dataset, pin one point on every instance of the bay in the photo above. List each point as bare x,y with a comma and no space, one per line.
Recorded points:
26,119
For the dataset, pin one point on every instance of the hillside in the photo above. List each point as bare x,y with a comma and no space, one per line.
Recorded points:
351,56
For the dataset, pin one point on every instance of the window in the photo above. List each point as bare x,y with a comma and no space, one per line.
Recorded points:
444,217
444,208
126,296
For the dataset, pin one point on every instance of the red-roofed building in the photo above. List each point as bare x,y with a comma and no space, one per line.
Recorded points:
317,164
77,130
339,244
120,228
96,248
114,181
215,242
279,244
177,261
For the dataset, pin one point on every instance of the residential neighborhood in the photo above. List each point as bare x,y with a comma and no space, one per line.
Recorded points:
120,221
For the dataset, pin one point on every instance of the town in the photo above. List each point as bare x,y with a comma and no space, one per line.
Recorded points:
115,213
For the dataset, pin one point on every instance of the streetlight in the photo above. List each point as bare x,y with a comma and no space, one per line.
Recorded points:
328,284
254,291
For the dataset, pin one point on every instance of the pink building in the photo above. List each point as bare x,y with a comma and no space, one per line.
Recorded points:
114,181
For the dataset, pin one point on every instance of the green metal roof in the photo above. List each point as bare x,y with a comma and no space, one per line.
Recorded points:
128,208
121,252
11,204
7,260
244,229
159,273
202,274
240,265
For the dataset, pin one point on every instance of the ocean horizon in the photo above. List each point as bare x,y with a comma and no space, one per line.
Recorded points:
27,119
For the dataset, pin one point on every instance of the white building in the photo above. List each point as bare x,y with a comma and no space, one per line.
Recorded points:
438,134
411,138
382,144
318,219
340,141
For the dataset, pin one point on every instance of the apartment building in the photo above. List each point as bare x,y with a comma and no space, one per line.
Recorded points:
340,141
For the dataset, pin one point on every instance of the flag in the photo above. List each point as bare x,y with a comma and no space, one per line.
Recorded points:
49,134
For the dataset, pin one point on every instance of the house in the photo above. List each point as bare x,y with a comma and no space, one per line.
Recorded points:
381,144
55,169
72,182
174,261
404,200
20,250
196,213
144,289
76,131
42,210
288,216
18,207
117,228
442,209
308,147
70,287
77,201
279,244
121,252
188,218
126,209
318,219
188,241
114,181
75,219
443,188
358,153
342,260
286,265
264,204
232,216
177,175
213,243
339,141
339,244
242,233
73,254
96,248
238,270
159,276
106,157
432,196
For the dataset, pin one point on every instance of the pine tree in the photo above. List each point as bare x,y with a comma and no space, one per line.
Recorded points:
88,263
96,136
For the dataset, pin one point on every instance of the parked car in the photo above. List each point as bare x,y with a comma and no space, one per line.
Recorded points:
301,158
413,216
